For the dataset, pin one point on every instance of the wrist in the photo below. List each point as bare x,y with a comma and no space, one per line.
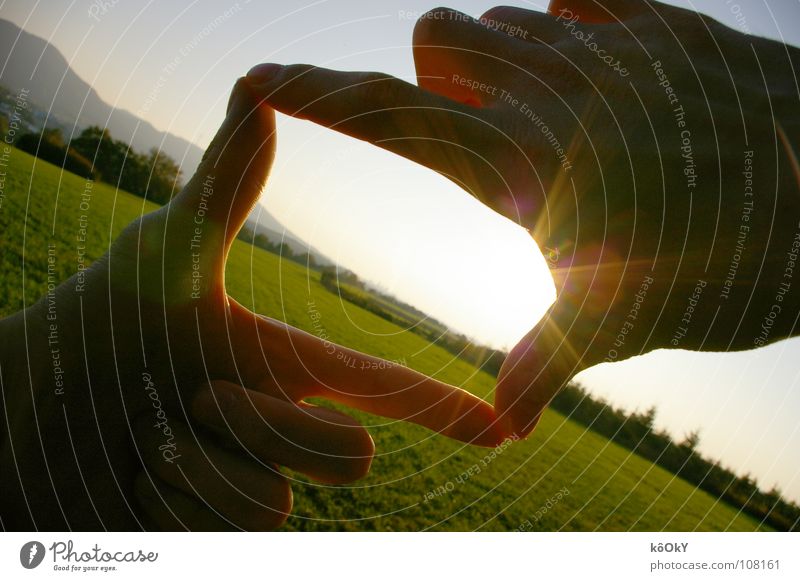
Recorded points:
12,361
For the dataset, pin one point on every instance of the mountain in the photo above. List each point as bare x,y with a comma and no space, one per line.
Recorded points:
261,221
34,64
57,93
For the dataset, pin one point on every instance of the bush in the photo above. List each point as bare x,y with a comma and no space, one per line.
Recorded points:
64,157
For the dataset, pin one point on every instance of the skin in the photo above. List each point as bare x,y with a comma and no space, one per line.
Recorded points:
177,406
632,217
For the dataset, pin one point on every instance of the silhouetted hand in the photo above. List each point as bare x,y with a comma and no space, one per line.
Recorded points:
102,378
648,149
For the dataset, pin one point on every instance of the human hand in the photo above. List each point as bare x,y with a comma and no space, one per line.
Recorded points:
102,379
638,142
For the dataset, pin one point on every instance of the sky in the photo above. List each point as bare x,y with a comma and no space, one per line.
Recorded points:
399,225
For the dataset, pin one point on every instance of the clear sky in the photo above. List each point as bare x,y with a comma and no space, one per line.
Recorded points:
400,225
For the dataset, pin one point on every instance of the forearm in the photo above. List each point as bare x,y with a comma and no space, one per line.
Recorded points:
54,425
12,342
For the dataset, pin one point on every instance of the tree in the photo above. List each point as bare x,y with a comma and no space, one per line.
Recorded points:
646,418
3,126
263,242
165,176
691,440
64,157
285,251
306,259
96,144
154,175
54,136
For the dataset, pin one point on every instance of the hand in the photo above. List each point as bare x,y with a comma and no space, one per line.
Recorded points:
618,133
102,379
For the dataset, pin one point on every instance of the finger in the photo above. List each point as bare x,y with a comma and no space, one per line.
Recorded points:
535,370
464,60
323,444
454,139
169,509
290,363
527,25
247,495
478,149
234,169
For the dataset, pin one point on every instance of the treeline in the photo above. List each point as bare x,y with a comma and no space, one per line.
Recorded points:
391,309
635,432
94,154
282,249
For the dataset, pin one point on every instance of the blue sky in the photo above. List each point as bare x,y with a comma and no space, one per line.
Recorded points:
398,224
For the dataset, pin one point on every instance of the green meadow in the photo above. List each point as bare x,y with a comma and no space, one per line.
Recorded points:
562,478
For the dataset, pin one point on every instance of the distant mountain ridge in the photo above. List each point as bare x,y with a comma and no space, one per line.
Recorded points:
34,64
261,221
53,88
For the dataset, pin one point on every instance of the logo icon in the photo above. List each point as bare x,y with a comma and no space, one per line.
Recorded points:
31,554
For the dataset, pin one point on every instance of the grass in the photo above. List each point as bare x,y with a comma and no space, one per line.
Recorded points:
419,480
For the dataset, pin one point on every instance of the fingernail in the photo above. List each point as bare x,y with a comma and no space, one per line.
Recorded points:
263,73
210,407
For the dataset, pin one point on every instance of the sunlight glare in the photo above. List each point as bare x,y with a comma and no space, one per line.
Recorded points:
412,232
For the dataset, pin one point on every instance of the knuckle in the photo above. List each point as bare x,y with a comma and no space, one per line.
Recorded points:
377,89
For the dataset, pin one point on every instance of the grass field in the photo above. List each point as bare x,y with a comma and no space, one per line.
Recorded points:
562,478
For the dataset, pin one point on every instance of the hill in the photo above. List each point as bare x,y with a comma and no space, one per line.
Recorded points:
564,477
37,66
261,221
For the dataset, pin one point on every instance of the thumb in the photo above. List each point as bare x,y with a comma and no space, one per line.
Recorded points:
234,169
543,362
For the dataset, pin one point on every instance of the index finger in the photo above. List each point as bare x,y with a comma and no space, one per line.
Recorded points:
424,127
275,357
